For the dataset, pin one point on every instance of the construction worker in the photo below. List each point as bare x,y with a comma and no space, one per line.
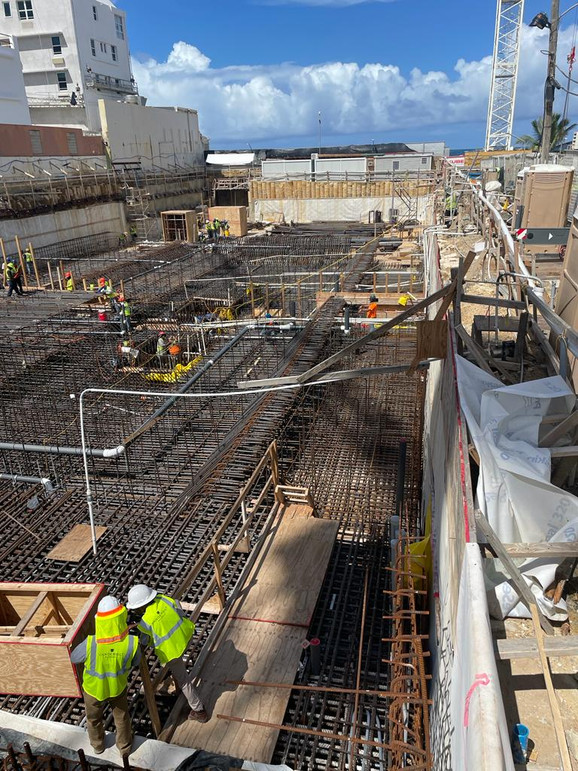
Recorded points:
406,299
108,657
372,309
216,228
451,204
226,230
162,349
69,282
14,278
210,230
133,233
125,314
164,624
28,261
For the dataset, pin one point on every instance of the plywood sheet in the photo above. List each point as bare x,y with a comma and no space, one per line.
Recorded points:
248,650
75,544
286,580
37,669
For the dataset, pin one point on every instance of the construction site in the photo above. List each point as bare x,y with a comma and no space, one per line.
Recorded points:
321,405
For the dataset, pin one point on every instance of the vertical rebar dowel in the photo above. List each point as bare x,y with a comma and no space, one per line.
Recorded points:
400,477
346,313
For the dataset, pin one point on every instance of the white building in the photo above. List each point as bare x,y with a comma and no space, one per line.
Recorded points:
153,137
13,104
73,52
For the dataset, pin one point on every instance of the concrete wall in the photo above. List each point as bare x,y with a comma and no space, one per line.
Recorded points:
46,229
13,104
16,140
160,136
55,166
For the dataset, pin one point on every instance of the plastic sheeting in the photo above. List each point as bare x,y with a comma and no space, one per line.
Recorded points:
480,738
330,209
514,489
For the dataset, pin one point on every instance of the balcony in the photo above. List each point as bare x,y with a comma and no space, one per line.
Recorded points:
109,83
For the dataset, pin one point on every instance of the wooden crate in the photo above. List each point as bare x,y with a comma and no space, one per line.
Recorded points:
236,216
179,225
40,624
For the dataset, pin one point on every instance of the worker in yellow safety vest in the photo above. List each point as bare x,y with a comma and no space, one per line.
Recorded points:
108,656
69,282
406,299
165,626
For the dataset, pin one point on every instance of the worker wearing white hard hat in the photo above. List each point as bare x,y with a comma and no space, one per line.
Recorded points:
108,657
165,626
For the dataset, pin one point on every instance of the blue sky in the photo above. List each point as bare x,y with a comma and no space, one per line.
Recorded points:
259,71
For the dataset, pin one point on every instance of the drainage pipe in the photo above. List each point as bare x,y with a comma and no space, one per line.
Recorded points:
111,452
46,483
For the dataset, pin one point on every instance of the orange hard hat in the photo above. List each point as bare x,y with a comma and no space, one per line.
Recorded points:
68,274
101,281
174,349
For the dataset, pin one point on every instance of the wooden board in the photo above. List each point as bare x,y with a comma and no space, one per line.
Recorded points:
248,650
40,623
37,668
287,577
75,544
527,647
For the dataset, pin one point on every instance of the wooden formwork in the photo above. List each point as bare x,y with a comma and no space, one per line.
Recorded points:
40,624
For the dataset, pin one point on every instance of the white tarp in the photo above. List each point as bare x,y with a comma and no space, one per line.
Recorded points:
230,159
479,732
514,489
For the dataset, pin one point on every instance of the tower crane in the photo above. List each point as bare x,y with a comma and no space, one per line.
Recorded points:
509,14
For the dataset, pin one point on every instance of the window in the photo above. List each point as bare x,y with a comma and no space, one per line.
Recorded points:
94,13
113,52
396,165
56,44
103,48
36,141
72,143
92,47
7,9
62,84
119,24
423,160
25,9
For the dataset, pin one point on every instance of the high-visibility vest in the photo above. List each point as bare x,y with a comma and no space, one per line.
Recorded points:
28,256
69,285
169,633
162,346
126,309
109,655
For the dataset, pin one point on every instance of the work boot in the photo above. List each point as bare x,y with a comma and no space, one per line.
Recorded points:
200,715
97,752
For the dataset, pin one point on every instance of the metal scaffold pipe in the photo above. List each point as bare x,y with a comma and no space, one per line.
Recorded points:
111,452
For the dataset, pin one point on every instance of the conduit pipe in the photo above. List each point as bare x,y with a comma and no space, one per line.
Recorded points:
112,452
46,483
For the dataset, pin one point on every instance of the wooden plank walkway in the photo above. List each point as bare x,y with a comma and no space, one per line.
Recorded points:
263,641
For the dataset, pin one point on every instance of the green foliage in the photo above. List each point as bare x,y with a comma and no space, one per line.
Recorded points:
561,127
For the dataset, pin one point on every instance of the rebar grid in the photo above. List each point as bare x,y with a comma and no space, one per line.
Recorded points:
163,502
346,450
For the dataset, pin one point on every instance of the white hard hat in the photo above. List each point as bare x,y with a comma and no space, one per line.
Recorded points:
140,595
107,604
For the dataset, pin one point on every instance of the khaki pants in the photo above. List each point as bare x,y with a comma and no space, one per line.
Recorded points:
184,680
95,723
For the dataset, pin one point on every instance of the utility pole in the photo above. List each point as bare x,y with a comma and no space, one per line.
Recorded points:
549,86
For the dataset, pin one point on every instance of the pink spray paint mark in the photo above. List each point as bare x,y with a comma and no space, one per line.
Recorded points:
482,679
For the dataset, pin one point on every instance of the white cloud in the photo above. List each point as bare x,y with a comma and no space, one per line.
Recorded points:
240,103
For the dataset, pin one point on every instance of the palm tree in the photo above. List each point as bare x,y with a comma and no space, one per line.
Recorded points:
561,127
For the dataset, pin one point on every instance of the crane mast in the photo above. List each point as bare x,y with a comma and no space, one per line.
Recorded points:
509,14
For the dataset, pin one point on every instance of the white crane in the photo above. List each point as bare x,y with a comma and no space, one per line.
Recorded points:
509,15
